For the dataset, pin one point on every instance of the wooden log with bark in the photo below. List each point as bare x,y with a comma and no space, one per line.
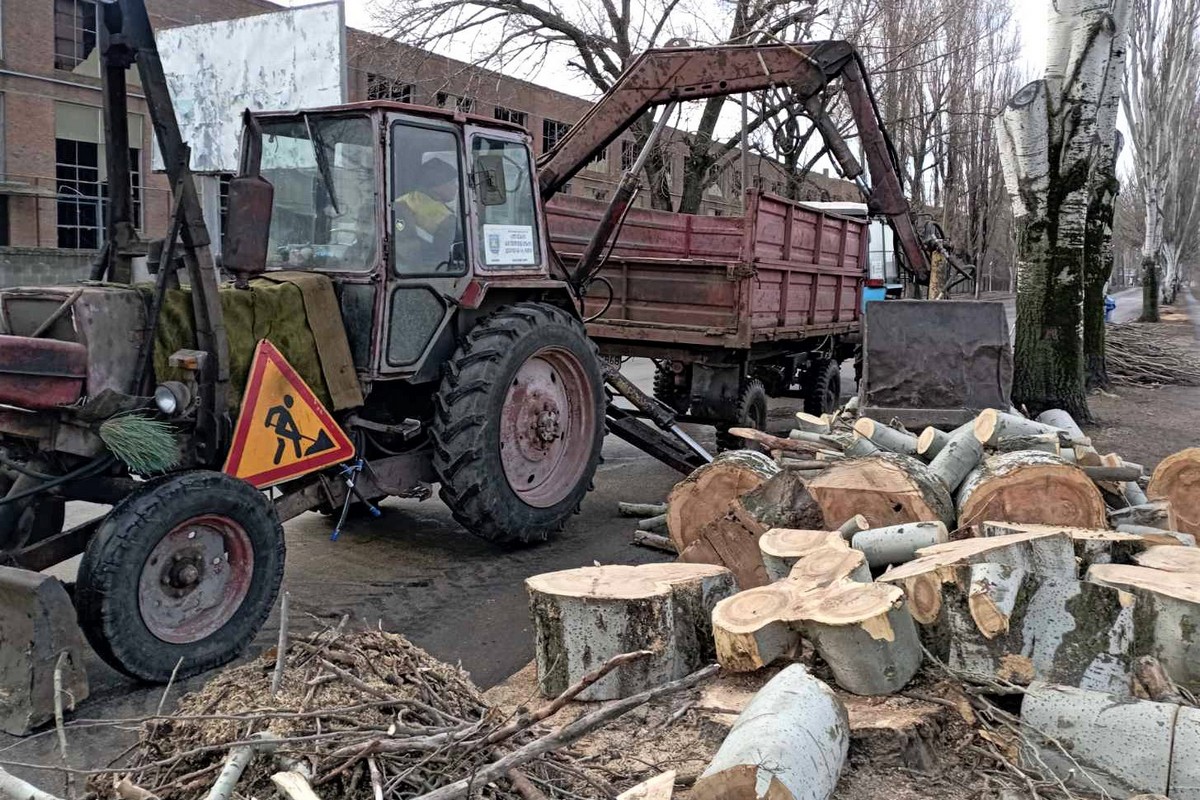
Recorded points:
886,437
886,488
957,459
584,617
862,630
1042,442
898,544
1177,480
1030,487
812,423
991,426
782,548
1167,614
790,743
1149,532
1155,514
830,565
1057,418
1092,546
706,494
731,541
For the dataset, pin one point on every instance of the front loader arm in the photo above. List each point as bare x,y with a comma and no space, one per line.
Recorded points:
667,75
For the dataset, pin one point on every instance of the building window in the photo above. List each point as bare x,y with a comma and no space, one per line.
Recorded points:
4,237
511,115
598,162
735,182
461,104
599,194
629,154
223,180
80,176
552,132
74,32
381,87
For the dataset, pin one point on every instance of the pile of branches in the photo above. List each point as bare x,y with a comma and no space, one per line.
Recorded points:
1142,355
364,715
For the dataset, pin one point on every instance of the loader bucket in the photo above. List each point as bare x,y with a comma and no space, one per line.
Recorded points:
935,362
37,622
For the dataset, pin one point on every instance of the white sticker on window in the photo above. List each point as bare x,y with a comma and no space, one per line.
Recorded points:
508,245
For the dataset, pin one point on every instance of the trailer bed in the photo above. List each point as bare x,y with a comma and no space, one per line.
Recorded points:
783,272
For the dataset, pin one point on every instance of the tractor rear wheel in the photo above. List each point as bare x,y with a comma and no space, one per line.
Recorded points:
519,423
822,387
183,571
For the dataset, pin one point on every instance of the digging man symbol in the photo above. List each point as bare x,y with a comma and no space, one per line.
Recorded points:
280,418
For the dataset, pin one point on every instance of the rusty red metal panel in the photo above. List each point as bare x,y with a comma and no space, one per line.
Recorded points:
41,373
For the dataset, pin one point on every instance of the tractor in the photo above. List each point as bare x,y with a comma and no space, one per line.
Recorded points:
397,260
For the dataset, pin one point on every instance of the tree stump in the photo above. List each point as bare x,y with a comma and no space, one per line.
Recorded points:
886,488
898,544
991,426
790,743
1033,488
584,617
782,548
754,628
705,495
957,459
1177,480
886,437
1166,616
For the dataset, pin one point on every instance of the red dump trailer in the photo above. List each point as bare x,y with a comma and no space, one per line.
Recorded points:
731,309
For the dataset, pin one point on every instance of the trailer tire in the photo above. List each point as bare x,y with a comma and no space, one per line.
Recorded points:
668,392
823,387
151,563
518,424
751,412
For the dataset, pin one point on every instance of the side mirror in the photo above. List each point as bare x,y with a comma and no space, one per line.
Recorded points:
247,227
490,181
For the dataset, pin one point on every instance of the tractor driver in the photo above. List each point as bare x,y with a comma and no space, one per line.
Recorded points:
427,220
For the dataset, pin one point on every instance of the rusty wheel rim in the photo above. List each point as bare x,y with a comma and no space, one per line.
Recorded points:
547,426
195,579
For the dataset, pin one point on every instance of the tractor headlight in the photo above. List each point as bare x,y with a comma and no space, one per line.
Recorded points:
172,398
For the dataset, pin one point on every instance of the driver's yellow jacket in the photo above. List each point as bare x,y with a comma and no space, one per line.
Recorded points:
425,212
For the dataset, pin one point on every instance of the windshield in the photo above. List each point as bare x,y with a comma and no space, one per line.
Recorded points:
509,235
323,171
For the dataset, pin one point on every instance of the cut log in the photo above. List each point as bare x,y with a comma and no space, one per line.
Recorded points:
790,743
584,617
866,635
1042,442
829,565
792,445
660,787
1030,487
1170,559
782,548
1159,535
754,628
1091,546
1155,514
991,426
886,437
641,510
860,447
731,542
655,524
1166,618
898,544
957,459
1177,480
887,489
1017,625
930,443
820,440
856,524
812,424
1057,418
1134,495
1123,745
784,502
706,494
654,541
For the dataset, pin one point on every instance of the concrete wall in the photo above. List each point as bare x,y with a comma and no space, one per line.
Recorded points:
40,266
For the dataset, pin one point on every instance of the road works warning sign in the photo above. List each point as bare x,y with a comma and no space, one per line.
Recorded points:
282,431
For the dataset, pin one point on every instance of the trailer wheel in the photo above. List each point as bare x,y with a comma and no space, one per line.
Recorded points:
186,568
823,387
668,391
751,412
519,423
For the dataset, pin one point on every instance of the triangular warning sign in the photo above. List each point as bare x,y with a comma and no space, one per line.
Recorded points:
282,431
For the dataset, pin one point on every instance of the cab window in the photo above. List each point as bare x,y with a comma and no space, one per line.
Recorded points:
426,206
501,174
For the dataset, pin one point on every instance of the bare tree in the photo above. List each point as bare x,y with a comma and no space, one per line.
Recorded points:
1161,106
1050,142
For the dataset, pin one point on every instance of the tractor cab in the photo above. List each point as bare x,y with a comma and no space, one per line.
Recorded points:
412,211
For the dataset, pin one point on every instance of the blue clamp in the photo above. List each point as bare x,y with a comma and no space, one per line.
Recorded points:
349,473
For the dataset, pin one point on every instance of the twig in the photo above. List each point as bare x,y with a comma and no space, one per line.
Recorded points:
565,736
281,647
654,541
523,786
641,510
376,778
235,765
58,722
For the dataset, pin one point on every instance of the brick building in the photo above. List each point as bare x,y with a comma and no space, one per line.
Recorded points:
51,138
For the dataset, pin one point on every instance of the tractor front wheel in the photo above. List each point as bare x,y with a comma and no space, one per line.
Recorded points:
519,423
184,572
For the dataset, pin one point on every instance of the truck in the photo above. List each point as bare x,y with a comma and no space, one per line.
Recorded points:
732,309
392,258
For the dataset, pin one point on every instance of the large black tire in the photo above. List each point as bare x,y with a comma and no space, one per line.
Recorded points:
151,564
822,387
522,357
750,412
668,392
